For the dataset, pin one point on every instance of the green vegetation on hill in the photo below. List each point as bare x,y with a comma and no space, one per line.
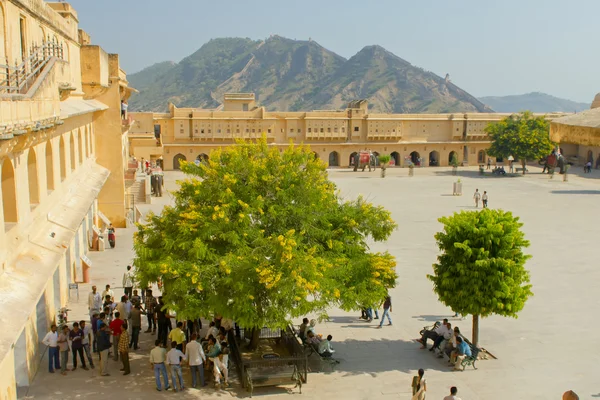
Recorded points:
295,75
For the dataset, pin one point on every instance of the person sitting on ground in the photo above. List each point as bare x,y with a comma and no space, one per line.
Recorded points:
433,334
453,392
446,334
462,351
302,329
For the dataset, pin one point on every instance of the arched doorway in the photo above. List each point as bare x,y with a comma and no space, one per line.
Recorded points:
376,155
590,156
395,156
499,160
62,158
316,155
32,174
72,151
49,167
414,157
352,158
434,159
334,159
202,157
9,192
177,161
481,157
451,156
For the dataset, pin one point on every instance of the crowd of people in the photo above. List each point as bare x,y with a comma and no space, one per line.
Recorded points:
114,330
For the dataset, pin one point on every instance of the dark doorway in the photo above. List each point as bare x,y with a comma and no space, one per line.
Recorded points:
434,159
177,161
334,159
395,156
414,157
352,158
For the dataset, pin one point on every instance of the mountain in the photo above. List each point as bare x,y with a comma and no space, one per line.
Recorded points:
292,75
535,102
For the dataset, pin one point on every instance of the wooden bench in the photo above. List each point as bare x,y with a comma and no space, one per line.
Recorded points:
272,376
472,359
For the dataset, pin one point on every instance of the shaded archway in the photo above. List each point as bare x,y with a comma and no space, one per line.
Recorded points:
434,158
414,157
177,161
395,156
590,156
62,158
376,155
80,145
334,159
202,157
352,158
451,155
32,174
481,157
9,192
316,155
72,151
49,167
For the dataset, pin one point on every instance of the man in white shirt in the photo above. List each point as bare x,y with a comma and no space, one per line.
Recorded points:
128,282
444,333
433,334
325,349
51,340
108,292
212,330
453,392
195,356
174,358
94,302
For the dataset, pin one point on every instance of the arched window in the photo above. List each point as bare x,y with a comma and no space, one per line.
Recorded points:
9,193
49,167
62,155
80,145
72,151
434,158
32,173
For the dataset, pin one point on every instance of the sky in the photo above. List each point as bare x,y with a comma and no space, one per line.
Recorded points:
489,48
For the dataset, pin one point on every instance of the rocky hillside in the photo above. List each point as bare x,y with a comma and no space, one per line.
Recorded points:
535,102
296,75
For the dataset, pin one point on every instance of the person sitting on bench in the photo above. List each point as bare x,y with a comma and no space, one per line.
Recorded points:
302,328
446,334
433,334
325,349
462,351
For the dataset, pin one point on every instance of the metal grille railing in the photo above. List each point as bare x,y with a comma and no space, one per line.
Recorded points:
17,79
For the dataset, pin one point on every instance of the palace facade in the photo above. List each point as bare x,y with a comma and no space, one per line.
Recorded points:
335,136
63,163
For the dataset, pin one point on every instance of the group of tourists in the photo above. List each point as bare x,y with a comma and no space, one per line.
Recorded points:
367,312
309,336
447,341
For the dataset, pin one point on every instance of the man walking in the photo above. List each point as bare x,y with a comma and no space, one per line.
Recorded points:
87,336
484,198
158,356
115,327
489,163
195,356
103,348
387,309
51,340
94,302
136,325
174,357
150,305
63,347
477,197
128,282
124,348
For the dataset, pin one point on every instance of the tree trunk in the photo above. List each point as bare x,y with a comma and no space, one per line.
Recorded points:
255,338
475,339
523,165
383,172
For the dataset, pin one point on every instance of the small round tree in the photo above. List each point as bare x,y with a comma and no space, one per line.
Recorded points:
481,268
383,162
262,236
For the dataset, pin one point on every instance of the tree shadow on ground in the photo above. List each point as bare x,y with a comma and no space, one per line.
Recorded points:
477,175
377,356
575,192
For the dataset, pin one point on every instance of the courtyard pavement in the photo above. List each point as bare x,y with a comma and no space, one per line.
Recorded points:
549,349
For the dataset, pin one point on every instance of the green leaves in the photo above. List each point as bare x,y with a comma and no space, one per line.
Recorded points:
481,268
259,236
521,135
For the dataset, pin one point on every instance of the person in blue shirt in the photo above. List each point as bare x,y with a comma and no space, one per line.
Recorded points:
462,351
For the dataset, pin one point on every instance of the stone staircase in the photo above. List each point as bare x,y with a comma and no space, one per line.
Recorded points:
136,190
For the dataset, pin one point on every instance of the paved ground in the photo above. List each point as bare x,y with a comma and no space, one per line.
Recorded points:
548,350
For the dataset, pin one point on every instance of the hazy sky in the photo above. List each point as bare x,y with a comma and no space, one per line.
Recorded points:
488,47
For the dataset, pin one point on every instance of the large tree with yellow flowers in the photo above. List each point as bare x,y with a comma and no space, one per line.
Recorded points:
261,236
